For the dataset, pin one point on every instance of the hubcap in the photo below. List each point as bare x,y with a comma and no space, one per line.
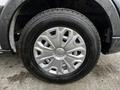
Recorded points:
59,50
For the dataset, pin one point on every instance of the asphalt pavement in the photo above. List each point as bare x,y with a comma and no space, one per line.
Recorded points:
105,76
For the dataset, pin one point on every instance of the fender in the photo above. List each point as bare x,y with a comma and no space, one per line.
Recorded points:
12,6
5,20
117,3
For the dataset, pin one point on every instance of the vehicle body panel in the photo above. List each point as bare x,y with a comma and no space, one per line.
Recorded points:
5,19
7,14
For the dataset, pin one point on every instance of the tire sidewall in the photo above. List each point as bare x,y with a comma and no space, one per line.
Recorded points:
36,27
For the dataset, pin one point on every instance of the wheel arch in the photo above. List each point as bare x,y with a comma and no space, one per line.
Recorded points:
6,18
15,6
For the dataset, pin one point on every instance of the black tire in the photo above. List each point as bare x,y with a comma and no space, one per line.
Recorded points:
51,18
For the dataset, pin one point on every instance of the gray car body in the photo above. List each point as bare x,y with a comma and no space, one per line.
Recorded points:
112,8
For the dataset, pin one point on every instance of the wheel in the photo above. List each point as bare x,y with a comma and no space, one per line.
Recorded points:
60,45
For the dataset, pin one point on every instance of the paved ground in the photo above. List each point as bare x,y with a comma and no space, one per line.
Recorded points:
105,76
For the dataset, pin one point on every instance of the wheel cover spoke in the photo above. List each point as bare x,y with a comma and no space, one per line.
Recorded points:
59,50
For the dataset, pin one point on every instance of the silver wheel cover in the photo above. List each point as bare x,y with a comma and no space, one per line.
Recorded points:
59,50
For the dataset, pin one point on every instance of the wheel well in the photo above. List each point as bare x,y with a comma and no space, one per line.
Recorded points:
89,8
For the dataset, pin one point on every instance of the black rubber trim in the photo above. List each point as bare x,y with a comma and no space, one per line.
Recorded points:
1,7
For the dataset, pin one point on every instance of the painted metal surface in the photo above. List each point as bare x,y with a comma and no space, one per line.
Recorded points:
5,20
3,2
12,6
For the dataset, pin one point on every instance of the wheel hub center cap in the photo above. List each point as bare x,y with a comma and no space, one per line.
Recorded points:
60,52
